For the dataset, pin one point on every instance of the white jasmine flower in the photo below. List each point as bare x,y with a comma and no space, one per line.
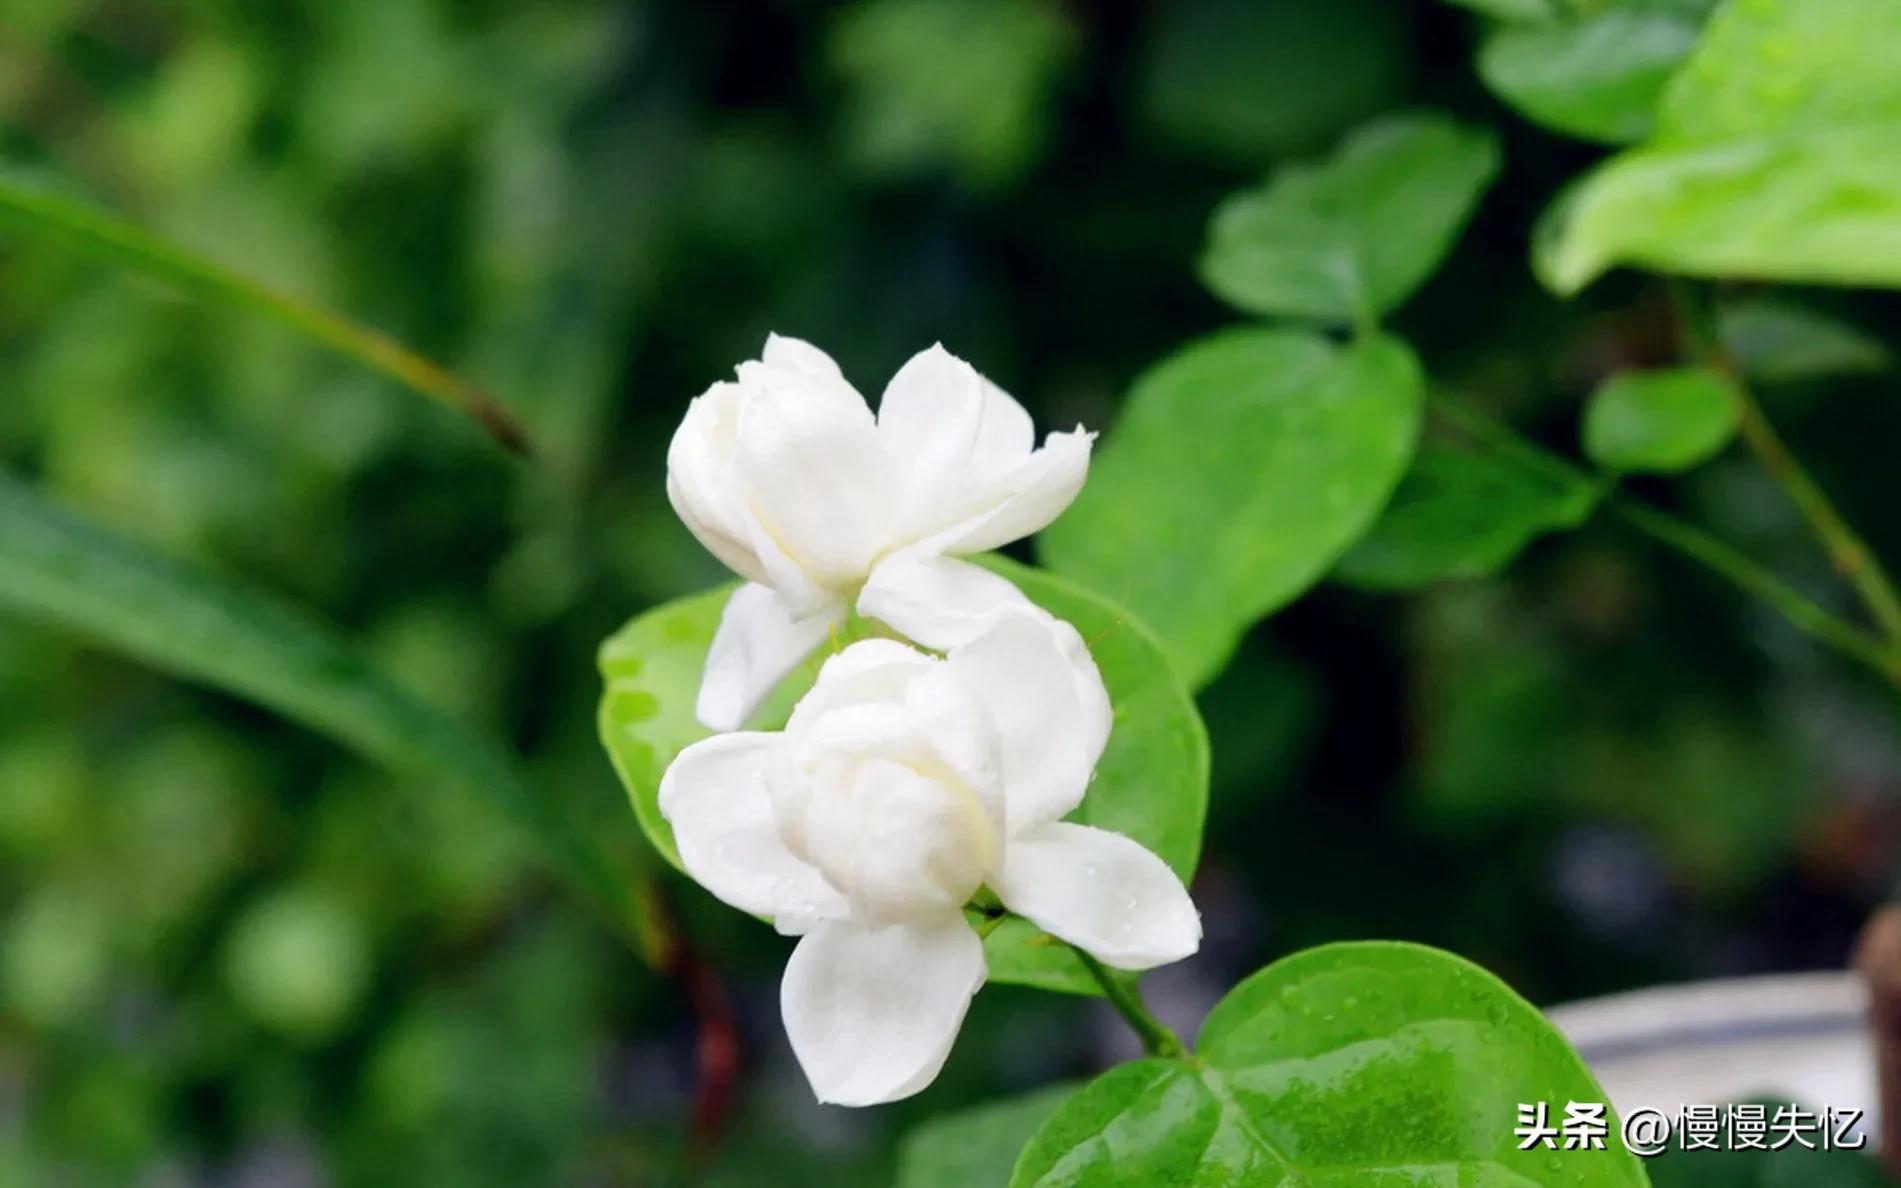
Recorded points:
901,785
788,478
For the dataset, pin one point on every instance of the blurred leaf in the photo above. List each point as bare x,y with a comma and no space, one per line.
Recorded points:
1351,1064
959,83
55,953
1777,155
1349,239
1660,422
59,570
43,214
1150,784
976,1147
1510,10
1775,341
1244,81
1462,515
298,962
1239,471
1598,76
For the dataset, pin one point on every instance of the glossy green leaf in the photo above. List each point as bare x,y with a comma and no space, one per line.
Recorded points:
1348,239
977,1147
1240,469
1598,77
1660,422
1353,1065
1151,783
45,214
1777,155
59,570
1462,515
1775,341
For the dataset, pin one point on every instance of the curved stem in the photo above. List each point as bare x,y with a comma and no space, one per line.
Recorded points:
1157,1039
1847,551
1697,543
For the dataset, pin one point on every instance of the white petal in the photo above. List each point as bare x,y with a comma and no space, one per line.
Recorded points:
757,644
1040,490
701,484
1101,892
868,672
819,483
871,1012
796,354
940,602
714,796
956,439
1034,676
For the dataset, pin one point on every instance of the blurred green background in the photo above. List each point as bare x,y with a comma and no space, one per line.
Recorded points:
232,954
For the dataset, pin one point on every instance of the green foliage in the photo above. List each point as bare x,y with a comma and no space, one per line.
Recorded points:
1357,1064
59,570
1774,157
1351,238
42,213
1459,514
297,962
1241,468
961,84
1595,73
1776,341
977,1147
1239,81
1660,421
1151,782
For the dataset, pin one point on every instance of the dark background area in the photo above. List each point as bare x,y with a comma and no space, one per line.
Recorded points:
232,954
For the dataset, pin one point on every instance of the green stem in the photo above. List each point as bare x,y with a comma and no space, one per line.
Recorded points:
1696,543
1157,1039
1847,551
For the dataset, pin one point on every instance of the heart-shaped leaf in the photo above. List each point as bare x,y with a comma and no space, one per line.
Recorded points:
1352,1065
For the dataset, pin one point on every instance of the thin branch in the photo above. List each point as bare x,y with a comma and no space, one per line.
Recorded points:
1688,539
1157,1039
1847,551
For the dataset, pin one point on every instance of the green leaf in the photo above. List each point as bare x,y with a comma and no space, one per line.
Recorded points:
1352,1065
977,1147
1776,341
1239,471
1151,783
61,571
44,214
1777,155
1598,77
1660,422
1350,238
1462,515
